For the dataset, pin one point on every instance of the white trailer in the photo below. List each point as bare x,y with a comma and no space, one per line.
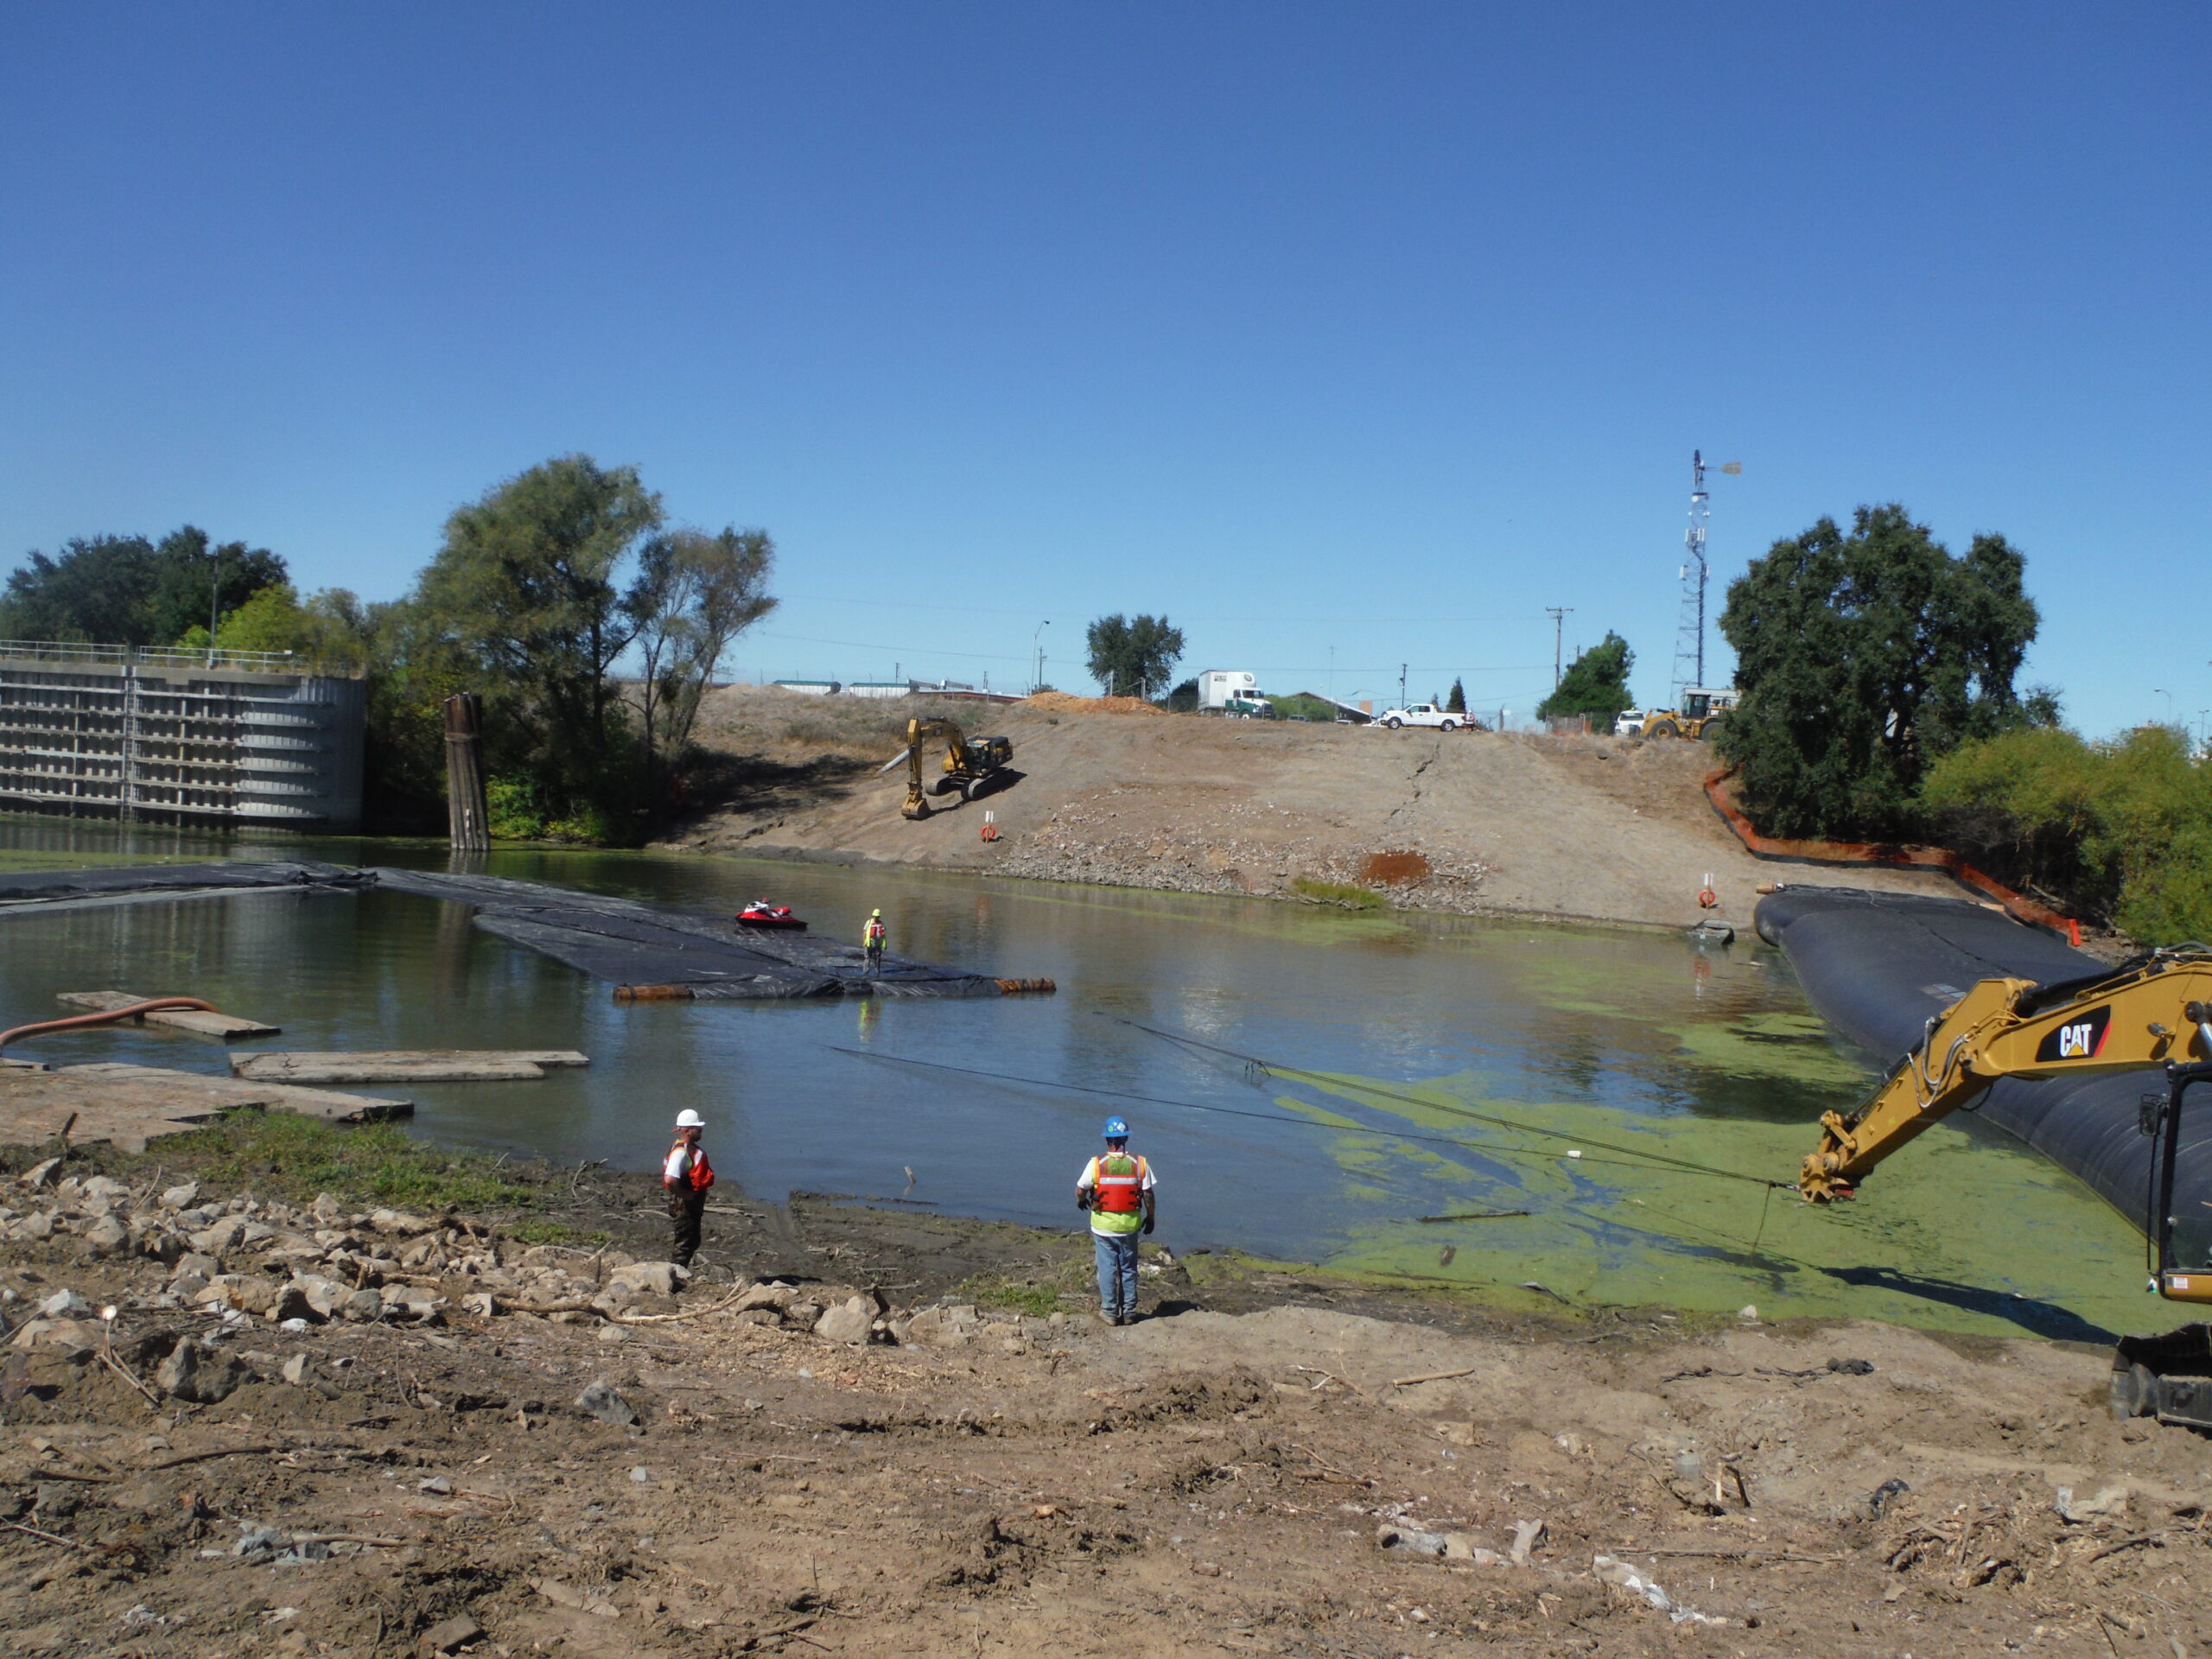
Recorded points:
1232,691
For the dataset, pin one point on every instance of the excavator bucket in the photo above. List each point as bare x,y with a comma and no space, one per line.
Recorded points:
2167,1376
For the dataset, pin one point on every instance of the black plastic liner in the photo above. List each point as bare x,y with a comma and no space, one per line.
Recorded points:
618,939
1879,965
169,881
634,944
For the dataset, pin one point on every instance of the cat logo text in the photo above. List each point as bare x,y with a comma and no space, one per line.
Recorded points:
2080,1039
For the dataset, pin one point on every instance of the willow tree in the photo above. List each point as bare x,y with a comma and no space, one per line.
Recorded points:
526,593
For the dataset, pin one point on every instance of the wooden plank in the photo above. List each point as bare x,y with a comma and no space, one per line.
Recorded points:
405,1065
206,1024
131,1104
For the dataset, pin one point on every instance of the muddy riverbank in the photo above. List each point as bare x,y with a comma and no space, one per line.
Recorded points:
1266,1464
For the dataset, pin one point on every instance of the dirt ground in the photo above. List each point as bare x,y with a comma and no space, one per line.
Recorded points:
1568,827
1252,1468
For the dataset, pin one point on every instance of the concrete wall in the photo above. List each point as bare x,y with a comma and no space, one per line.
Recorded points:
157,735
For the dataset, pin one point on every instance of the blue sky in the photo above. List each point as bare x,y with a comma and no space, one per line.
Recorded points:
1352,336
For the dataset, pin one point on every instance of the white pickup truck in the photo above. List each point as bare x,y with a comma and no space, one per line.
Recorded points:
1421,713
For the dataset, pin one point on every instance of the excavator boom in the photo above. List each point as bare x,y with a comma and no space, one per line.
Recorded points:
2154,1012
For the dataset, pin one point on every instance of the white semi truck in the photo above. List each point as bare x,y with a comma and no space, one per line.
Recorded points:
1233,692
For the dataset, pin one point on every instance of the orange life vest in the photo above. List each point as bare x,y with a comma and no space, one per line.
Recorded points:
701,1175
1120,1184
873,934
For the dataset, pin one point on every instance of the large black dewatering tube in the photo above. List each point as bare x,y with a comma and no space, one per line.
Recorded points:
623,940
1878,965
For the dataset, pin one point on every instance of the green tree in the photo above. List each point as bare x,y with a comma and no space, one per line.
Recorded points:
1860,659
94,592
693,595
524,593
1457,702
189,569
1184,699
1130,656
1595,684
124,590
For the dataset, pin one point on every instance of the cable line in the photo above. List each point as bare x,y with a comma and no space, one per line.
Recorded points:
1326,1080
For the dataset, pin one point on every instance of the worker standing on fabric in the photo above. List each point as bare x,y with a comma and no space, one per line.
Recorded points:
1116,1188
872,941
687,1175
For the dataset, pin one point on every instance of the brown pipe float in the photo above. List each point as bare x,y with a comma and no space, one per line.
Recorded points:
1027,987
652,993
106,1017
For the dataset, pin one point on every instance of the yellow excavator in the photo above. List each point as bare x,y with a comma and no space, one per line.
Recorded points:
2155,1011
962,763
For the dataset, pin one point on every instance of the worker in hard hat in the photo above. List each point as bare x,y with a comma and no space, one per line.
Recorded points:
872,943
1116,1188
687,1175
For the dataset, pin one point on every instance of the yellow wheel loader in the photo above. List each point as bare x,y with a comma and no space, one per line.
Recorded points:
1703,708
957,761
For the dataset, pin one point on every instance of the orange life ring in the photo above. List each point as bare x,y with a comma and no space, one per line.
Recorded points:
1706,898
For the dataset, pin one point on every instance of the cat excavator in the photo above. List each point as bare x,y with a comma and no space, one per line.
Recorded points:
2153,1012
962,763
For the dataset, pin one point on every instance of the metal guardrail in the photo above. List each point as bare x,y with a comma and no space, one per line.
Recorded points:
250,662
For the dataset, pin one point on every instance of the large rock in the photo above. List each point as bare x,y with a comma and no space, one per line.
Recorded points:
326,1296
106,1235
220,1236
777,1297
850,1321
943,1327
200,1374
75,1340
648,1278
182,1197
600,1401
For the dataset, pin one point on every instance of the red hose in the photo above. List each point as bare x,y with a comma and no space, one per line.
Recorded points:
106,1017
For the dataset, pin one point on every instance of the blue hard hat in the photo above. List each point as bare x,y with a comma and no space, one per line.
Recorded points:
1116,1129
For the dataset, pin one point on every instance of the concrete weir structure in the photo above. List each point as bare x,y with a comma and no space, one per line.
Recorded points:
236,737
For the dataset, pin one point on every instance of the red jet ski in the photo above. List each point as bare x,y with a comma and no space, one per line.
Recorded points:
761,914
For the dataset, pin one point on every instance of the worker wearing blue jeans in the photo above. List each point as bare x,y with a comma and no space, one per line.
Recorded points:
1116,1188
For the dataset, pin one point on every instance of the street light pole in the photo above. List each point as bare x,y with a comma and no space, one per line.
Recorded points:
1037,651
214,595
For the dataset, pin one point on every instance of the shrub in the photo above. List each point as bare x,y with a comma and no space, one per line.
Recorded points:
2120,828
1336,893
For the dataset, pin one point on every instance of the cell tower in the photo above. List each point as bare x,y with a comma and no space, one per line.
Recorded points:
1689,633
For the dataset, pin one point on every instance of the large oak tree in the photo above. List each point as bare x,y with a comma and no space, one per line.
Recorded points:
1861,658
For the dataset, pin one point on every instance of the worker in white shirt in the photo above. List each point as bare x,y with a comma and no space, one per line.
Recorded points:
687,1175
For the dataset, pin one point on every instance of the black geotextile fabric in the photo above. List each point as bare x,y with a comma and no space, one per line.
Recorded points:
635,944
1877,965
53,887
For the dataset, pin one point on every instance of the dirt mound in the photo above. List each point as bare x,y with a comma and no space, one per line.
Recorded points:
1060,702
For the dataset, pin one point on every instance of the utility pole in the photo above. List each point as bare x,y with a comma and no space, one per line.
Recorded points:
1402,685
1559,613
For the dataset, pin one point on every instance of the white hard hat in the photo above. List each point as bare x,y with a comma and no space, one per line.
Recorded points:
688,1119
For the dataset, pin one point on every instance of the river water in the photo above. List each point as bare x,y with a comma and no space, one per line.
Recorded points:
1444,1067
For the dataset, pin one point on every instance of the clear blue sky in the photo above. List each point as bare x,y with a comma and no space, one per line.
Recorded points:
1358,333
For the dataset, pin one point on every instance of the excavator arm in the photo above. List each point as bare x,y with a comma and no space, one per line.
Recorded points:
2153,1012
